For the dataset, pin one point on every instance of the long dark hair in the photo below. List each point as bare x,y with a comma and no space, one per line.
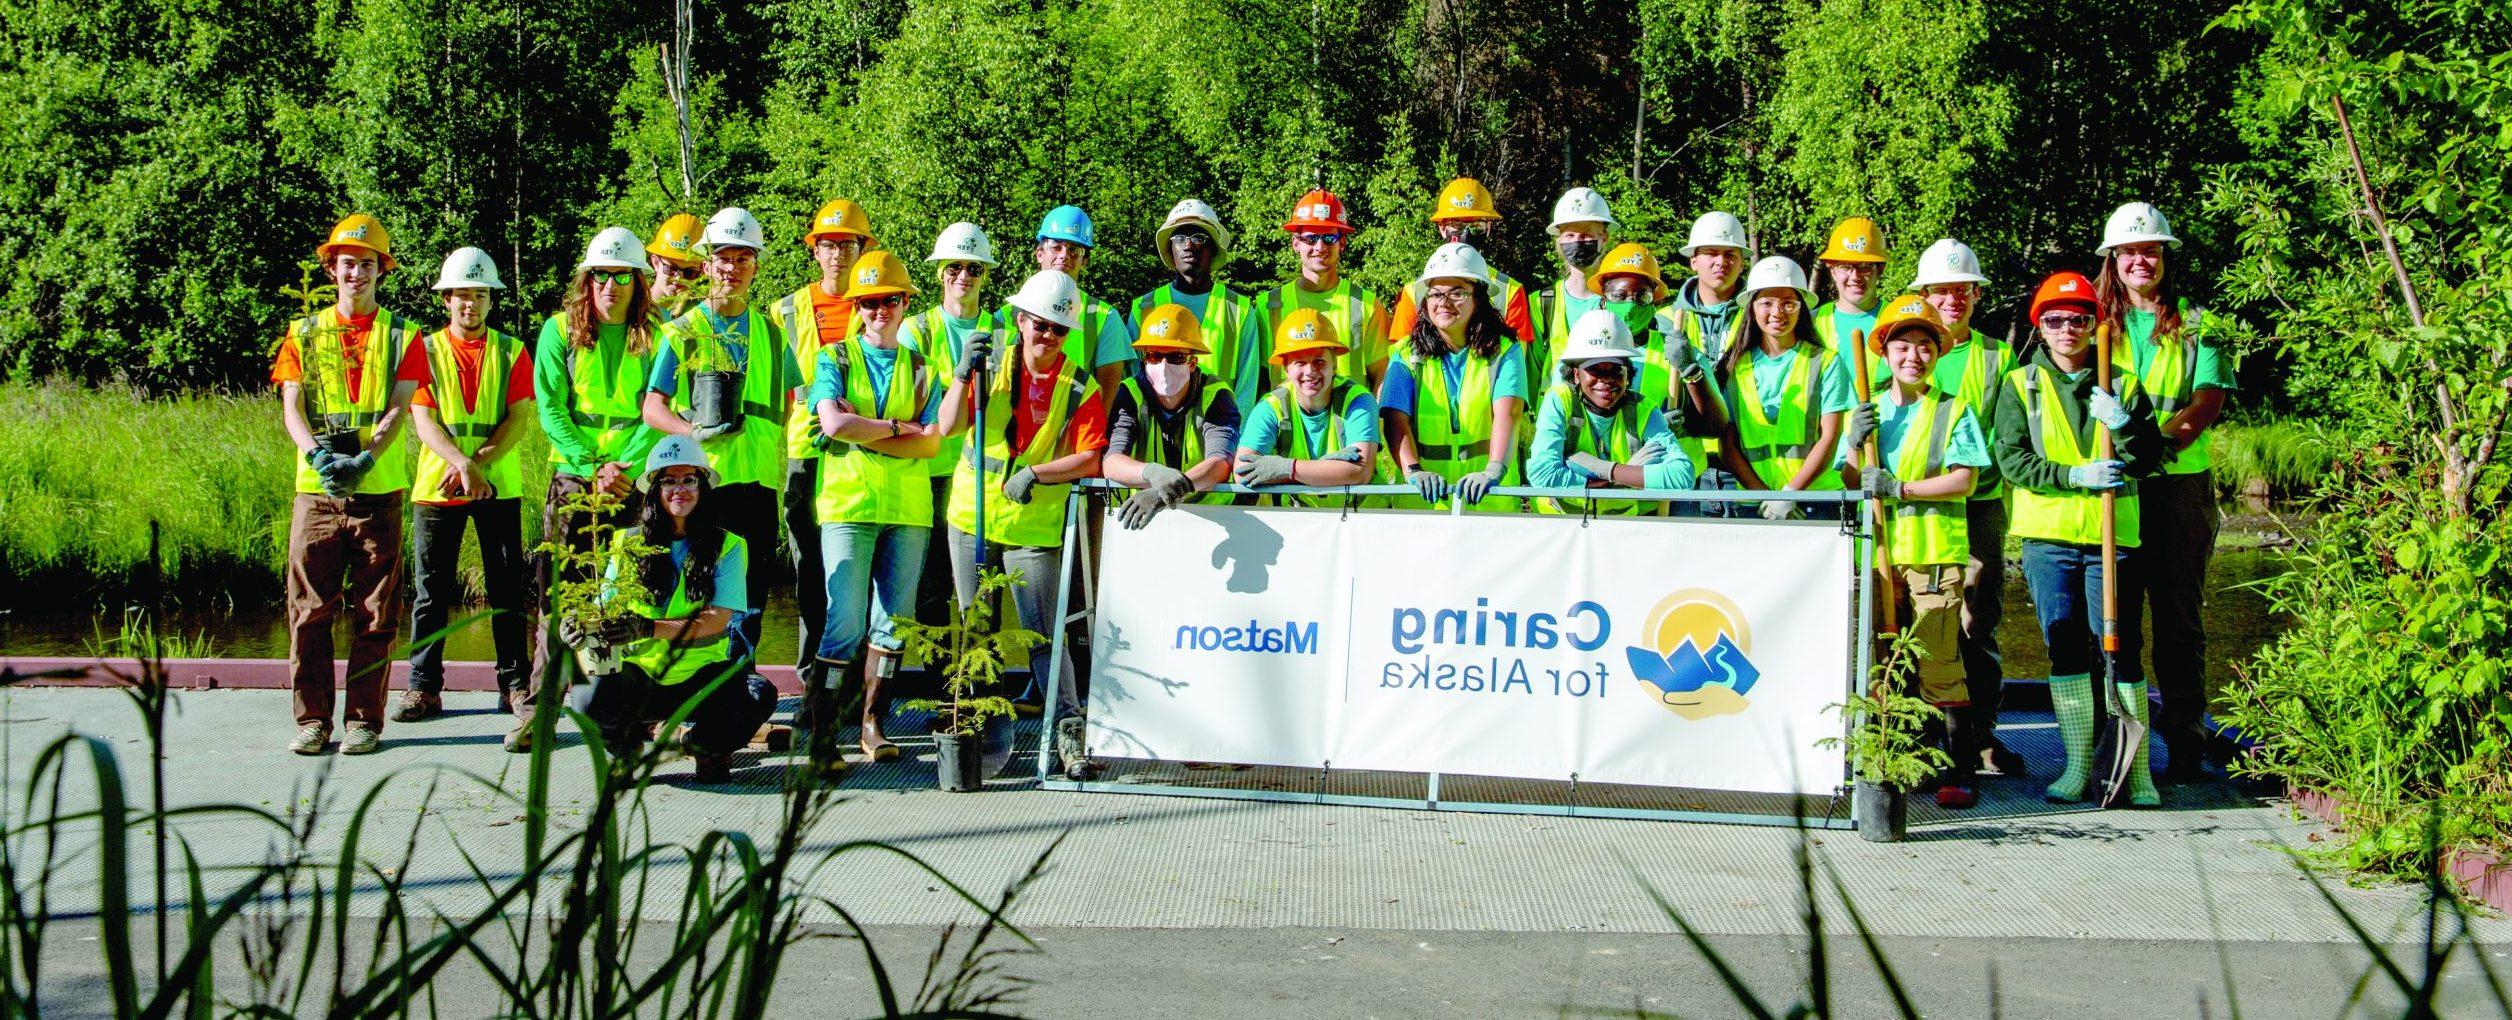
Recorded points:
583,321
1485,329
2110,299
706,545
1736,345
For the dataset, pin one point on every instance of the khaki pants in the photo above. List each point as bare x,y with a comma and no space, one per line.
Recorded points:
343,552
1929,607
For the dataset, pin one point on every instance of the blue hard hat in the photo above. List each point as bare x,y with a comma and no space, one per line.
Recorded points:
1067,223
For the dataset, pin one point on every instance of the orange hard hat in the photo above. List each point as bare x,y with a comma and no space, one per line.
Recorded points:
1318,210
1907,312
2063,288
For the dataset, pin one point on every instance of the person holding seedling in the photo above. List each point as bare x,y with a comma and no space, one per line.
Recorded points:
1594,431
1453,393
1317,428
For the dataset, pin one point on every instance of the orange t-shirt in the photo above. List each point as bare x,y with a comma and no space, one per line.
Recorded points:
467,357
835,315
289,366
1086,429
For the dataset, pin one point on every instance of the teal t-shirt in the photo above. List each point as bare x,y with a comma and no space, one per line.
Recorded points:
2209,364
826,383
1770,377
1261,431
1548,464
1965,444
1396,392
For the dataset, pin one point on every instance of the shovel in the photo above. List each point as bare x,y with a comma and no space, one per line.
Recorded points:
1886,609
2127,734
996,743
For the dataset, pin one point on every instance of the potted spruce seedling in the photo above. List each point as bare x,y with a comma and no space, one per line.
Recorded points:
1888,748
593,583
322,364
970,652
713,372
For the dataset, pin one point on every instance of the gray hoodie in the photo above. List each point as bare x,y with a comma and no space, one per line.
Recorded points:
1715,319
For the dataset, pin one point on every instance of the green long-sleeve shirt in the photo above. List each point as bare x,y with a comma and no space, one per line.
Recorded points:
573,448
2140,445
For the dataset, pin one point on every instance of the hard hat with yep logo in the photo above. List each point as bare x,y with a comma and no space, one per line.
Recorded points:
1947,261
1456,260
1318,210
1190,212
1777,272
1068,223
1171,327
1599,334
468,267
2065,288
839,218
1854,240
963,242
1630,258
676,240
734,227
1303,331
1907,312
360,231
1716,229
672,452
2136,223
613,248
1464,199
1580,205
876,274
1051,295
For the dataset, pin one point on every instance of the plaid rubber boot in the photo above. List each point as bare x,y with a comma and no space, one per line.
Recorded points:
2141,791
2072,698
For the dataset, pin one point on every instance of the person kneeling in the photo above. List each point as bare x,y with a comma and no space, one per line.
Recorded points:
664,659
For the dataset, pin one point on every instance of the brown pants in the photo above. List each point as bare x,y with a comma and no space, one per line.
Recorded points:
1929,606
343,552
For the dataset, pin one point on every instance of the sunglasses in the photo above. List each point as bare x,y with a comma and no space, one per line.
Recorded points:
1317,240
972,270
2066,320
1168,357
674,271
1045,328
1191,239
884,301
614,277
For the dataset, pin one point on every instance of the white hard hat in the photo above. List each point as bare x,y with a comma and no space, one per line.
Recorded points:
1051,295
1456,260
471,267
2136,223
674,451
1776,272
614,248
1191,211
1947,261
733,227
1580,205
1716,229
963,242
1598,334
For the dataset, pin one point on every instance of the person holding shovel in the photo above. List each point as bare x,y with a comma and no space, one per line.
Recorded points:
815,317
1171,427
345,377
1316,428
2050,416
963,258
468,419
1927,454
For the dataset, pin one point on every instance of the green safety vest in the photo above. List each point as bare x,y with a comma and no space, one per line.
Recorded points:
2067,516
931,331
1347,307
1038,523
1224,318
800,319
2170,374
608,409
470,426
1454,440
1151,447
754,453
329,396
1926,532
861,485
1579,435
1291,440
1777,447
1969,372
666,663
1703,449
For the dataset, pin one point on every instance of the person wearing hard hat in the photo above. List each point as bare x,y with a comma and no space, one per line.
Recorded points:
1453,394
589,370
1099,339
1670,377
1595,431
1708,317
1786,391
963,258
1582,229
2047,411
1853,263
2187,378
1930,452
746,441
345,376
676,651
673,258
469,418
815,317
1191,242
1172,426
1320,232
875,401
1316,428
1970,370
1046,425
1466,214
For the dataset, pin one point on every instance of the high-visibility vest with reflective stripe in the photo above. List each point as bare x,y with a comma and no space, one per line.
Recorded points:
1842,345
608,409
1777,447
1971,372
755,453
1223,319
932,334
670,664
1454,439
1347,307
859,485
470,426
2170,375
1704,449
799,317
1578,435
2070,516
1040,522
1151,447
1925,532
1291,439
325,361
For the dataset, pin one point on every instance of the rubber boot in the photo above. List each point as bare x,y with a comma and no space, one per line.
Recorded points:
2141,791
881,668
1958,786
820,703
2071,697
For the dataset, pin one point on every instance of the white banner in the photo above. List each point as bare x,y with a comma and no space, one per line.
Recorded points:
1660,652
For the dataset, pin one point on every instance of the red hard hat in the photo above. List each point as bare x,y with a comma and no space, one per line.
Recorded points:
2064,288
1318,210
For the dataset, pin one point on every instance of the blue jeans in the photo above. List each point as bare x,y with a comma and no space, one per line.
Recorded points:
1710,478
2066,583
873,570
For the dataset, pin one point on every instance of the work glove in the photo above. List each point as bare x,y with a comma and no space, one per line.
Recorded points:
320,459
1880,482
1429,483
1171,483
973,355
824,442
2098,475
1270,469
1478,485
342,480
1016,488
1860,425
703,433
1778,509
620,630
571,634
1593,466
1649,453
1349,455
2106,409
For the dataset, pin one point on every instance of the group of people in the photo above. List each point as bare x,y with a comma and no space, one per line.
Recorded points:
849,426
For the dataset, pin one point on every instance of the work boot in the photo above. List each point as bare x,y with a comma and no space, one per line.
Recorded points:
360,738
882,667
819,714
519,739
2141,791
2188,754
711,769
1069,732
2071,698
505,697
311,738
415,705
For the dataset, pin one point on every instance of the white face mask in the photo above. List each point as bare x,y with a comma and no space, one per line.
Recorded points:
1169,380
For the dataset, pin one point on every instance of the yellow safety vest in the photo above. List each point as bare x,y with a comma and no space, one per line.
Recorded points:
1151,447
1347,307
1704,449
2069,516
1976,367
669,664
1455,440
1926,532
930,334
1291,439
1578,434
325,361
861,485
2170,375
1777,447
1224,317
1040,522
470,426
799,317
608,409
755,453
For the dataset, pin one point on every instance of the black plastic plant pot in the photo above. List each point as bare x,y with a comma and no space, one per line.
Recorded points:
344,442
714,398
959,761
1883,813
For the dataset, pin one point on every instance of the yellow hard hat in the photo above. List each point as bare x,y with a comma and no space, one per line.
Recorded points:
677,239
876,274
359,230
1908,310
1465,199
839,218
1631,259
1303,331
1854,240
1171,327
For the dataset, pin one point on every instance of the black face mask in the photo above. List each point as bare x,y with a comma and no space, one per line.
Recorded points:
1581,255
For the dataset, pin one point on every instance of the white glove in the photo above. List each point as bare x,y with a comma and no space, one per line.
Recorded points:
2106,409
1778,509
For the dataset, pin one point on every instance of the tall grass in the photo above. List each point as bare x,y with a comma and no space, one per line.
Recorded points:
2279,457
